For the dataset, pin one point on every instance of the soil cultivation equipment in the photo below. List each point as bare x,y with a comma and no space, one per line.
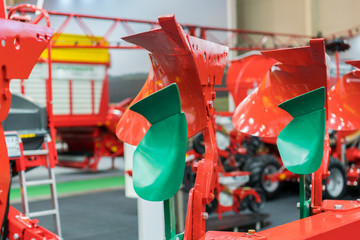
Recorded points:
203,64
267,168
343,166
311,61
245,73
345,122
85,127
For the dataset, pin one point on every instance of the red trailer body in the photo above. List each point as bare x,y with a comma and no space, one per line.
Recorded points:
84,120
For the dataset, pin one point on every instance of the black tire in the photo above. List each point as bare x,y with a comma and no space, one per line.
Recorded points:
253,205
335,184
243,160
198,143
254,167
259,167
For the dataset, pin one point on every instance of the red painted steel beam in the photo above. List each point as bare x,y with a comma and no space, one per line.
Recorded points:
345,34
248,36
21,227
330,225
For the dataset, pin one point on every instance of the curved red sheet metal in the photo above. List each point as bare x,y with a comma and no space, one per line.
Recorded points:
300,70
176,58
344,107
20,47
21,44
245,74
115,113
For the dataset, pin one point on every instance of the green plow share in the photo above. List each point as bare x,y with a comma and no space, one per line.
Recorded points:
159,159
301,142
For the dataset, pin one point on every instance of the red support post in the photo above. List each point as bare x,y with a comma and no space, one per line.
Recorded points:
22,86
2,9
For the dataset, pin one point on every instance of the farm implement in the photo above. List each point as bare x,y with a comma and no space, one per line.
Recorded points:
21,45
297,83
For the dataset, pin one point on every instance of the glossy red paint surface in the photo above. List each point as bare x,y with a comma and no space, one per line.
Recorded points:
330,205
115,113
20,46
176,58
26,229
344,107
245,74
212,235
332,225
299,70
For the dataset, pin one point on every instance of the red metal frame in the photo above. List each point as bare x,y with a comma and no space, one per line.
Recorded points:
178,57
345,34
49,108
250,40
236,39
21,227
203,191
25,162
22,43
239,194
102,142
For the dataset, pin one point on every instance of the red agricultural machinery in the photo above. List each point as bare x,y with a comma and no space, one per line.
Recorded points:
232,192
185,70
78,85
82,116
345,123
266,165
21,45
287,84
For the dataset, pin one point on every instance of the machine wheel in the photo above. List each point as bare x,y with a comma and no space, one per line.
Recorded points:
335,184
253,205
259,167
198,143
